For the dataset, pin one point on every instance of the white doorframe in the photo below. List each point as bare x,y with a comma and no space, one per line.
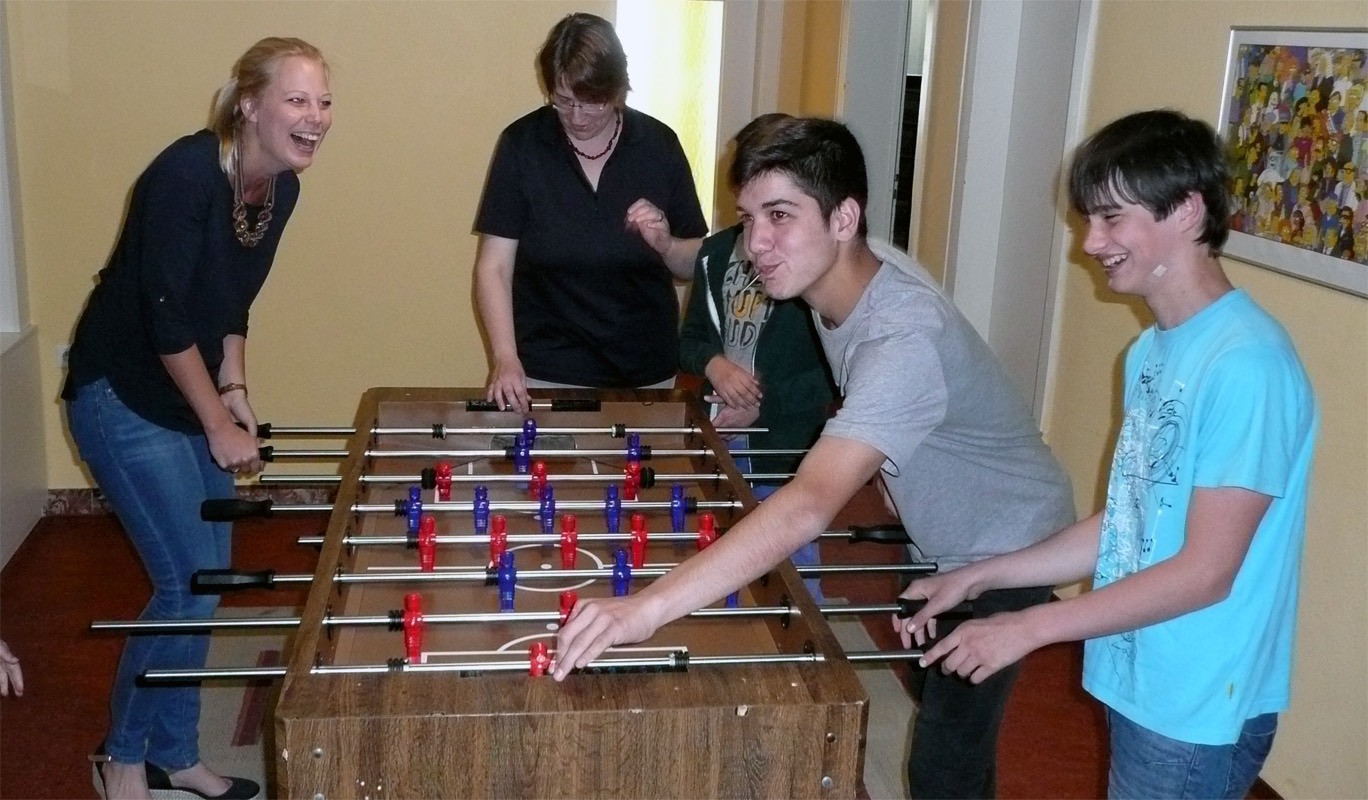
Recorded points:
1084,44
873,82
1015,114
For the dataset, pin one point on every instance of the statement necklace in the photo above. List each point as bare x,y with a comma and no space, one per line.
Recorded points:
616,130
250,236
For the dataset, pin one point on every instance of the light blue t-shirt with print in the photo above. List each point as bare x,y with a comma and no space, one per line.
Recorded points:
1221,400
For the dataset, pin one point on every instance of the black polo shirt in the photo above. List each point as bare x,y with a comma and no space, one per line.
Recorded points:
177,277
593,304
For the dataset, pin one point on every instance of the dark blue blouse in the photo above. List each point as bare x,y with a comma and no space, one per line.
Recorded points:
177,277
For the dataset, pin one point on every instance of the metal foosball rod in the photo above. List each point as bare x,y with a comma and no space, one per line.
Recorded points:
161,626
230,509
563,478
876,534
483,539
217,581
271,454
675,662
438,430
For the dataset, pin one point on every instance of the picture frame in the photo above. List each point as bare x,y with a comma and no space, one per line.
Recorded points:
1299,152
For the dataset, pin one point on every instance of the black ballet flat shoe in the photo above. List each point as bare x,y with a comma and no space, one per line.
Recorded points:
97,761
159,783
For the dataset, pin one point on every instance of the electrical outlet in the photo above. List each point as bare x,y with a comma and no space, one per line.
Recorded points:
62,350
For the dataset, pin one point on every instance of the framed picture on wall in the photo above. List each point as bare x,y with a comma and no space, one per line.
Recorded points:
1294,117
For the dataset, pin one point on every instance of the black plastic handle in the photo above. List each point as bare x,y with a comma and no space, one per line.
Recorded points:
482,405
218,581
879,534
959,613
229,510
570,404
263,429
266,453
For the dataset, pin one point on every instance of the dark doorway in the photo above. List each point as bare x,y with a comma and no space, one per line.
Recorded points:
907,154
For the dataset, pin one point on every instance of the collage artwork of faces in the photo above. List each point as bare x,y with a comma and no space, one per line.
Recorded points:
1297,128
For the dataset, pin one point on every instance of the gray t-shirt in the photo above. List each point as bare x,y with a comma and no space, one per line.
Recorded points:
966,467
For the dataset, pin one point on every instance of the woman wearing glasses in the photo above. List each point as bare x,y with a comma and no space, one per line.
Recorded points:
588,216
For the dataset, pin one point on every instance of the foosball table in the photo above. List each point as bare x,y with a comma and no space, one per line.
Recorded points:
460,537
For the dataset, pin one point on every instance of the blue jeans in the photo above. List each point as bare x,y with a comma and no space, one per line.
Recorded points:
810,554
1146,764
955,733
155,479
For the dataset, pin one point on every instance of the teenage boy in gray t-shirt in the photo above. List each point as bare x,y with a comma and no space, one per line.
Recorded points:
926,407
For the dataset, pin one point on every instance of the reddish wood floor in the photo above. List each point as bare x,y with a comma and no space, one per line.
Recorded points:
72,570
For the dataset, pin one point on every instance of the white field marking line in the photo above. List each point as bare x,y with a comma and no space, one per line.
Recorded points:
588,582
599,564
532,637
377,568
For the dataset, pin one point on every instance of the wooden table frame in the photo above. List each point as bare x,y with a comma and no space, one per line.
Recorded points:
791,730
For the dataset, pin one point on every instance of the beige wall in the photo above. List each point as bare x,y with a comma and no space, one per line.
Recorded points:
1151,54
821,65
371,286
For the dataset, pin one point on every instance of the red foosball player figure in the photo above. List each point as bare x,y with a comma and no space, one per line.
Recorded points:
537,481
539,660
498,539
443,481
569,541
568,598
639,536
707,530
631,483
427,544
413,627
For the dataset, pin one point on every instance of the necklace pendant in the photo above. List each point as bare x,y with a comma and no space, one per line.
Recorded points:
251,235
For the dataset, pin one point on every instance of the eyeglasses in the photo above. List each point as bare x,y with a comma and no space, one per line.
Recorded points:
570,106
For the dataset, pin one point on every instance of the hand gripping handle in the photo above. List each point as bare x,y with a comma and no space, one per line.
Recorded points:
946,621
961,612
263,429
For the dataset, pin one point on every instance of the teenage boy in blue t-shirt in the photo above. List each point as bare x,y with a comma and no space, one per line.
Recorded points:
1195,558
